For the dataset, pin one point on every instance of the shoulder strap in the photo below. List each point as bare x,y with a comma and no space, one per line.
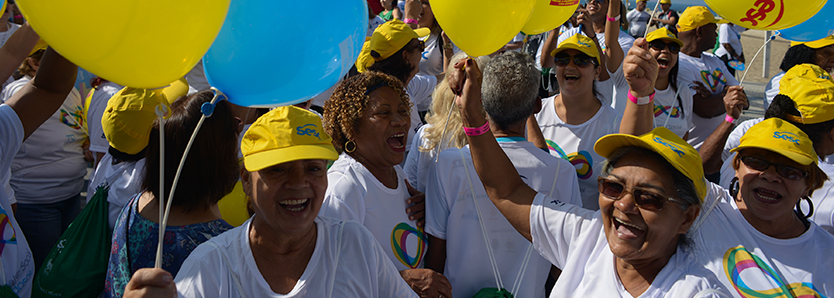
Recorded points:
229,268
499,283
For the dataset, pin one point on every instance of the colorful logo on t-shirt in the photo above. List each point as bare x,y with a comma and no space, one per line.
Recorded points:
660,110
9,236
400,237
583,162
73,119
737,264
552,146
714,79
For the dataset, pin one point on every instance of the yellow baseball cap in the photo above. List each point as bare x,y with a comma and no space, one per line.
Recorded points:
812,91
663,34
665,1
387,39
782,137
130,113
696,16
661,140
578,42
821,43
285,134
41,45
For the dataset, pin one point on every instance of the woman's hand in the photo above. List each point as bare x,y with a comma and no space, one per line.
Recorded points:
427,283
701,90
585,23
467,81
416,205
413,9
735,101
151,282
640,69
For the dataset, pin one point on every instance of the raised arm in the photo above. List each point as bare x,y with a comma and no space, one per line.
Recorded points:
734,102
640,70
501,181
43,95
613,51
16,49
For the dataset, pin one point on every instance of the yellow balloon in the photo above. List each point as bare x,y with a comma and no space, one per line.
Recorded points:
766,14
137,43
481,27
233,206
549,14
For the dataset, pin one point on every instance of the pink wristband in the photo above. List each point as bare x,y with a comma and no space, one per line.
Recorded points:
610,19
411,21
730,119
476,131
642,100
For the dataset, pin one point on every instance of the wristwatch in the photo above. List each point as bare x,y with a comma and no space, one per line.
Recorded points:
448,46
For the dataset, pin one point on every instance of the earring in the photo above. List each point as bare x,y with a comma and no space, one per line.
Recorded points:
799,208
734,187
350,146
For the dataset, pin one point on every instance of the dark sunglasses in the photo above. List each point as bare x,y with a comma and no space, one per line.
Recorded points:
578,60
422,45
761,165
645,199
659,45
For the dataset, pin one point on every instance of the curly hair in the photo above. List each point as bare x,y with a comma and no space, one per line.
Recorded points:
442,98
346,106
796,55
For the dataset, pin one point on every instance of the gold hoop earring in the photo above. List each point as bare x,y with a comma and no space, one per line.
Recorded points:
350,146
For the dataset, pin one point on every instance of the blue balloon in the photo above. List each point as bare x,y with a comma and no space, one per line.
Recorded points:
820,26
274,52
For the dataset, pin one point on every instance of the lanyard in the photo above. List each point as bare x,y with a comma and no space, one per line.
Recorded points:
511,139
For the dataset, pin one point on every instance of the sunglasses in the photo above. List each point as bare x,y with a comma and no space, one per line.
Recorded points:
578,60
421,45
761,165
659,45
645,199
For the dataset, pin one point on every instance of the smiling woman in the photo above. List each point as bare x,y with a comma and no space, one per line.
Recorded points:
368,118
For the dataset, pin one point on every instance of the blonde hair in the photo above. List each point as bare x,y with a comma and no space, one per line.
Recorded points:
442,99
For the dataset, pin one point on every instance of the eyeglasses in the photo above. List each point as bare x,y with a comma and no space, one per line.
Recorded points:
658,45
645,199
761,165
579,60
421,45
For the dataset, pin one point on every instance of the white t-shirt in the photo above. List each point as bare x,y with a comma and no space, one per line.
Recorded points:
772,88
729,33
746,260
418,163
125,179
576,144
671,113
373,23
432,62
637,22
733,140
98,103
823,200
451,215
346,262
419,92
572,238
712,72
15,256
4,37
49,167
353,193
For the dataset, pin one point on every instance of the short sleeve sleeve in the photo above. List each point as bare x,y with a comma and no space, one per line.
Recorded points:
554,225
437,208
343,200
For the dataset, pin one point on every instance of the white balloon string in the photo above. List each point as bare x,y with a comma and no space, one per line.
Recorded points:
656,4
161,110
741,83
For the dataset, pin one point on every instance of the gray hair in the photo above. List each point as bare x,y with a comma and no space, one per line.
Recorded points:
684,187
510,88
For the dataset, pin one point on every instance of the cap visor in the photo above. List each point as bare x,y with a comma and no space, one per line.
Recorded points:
422,32
796,157
571,46
265,159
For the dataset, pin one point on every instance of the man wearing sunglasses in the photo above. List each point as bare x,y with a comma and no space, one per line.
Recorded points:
715,91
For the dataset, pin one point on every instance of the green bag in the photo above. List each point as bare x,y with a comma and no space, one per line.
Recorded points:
493,293
77,265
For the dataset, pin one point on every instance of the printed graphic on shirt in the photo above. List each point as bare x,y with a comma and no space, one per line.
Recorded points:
74,118
752,277
581,160
660,110
408,244
9,236
714,80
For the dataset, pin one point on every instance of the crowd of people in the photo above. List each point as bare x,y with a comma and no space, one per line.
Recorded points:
603,160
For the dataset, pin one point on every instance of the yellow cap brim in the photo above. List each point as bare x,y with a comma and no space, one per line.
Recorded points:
422,32
795,156
573,46
264,159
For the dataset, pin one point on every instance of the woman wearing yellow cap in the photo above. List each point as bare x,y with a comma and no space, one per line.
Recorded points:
650,194
368,118
818,52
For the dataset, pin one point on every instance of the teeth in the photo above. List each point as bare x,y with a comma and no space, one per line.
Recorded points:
399,135
627,224
767,195
293,202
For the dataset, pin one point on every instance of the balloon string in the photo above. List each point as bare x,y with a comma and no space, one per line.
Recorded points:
443,135
741,83
164,222
656,4
161,110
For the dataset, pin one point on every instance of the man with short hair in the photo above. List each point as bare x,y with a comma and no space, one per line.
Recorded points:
707,76
667,18
459,214
638,20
